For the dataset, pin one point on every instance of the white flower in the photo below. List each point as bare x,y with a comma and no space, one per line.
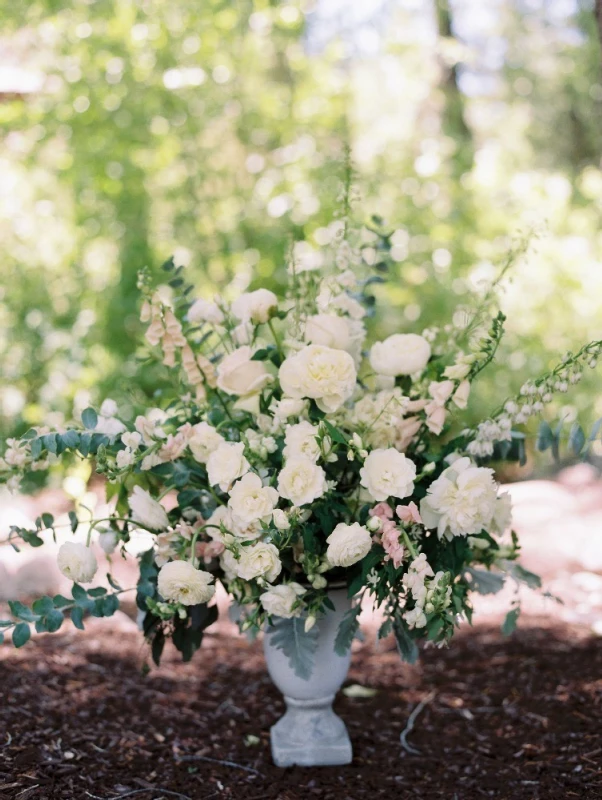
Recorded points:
149,426
301,481
287,407
181,582
348,544
205,311
203,440
279,600
415,618
107,541
462,394
131,439
221,517
229,564
108,408
462,501
77,562
400,354
380,415
300,442
227,464
329,330
259,561
457,372
255,306
242,334
125,458
110,426
281,520
388,473
237,374
148,512
502,516
327,376
250,500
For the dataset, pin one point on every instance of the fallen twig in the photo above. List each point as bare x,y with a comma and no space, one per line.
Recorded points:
411,719
219,761
140,791
8,741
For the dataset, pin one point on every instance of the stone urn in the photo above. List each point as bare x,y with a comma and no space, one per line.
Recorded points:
310,733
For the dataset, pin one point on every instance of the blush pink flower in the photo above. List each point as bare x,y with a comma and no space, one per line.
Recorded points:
382,511
390,542
409,513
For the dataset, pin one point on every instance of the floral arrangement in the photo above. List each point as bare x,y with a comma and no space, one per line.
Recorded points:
292,458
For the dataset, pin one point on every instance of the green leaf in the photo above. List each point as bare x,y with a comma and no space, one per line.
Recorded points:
89,418
298,646
80,595
49,441
334,433
261,355
157,646
21,634
84,444
1,637
347,630
385,629
113,583
6,623
73,521
545,437
43,606
509,623
407,647
77,617
577,438
523,575
97,591
47,520
21,611
36,448
485,582
60,601
70,439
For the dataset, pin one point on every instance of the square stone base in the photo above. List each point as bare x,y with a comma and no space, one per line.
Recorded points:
310,754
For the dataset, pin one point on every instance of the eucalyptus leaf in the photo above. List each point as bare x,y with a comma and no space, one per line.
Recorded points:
509,623
485,582
21,634
347,630
298,646
406,646
89,418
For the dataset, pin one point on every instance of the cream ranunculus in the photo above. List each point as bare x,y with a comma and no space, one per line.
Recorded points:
300,442
329,330
146,511
301,481
180,582
255,306
77,562
388,473
203,440
348,544
227,464
259,561
251,501
400,354
237,374
205,311
326,375
279,600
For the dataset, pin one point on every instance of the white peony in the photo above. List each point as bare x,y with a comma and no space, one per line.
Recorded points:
462,501
205,311
329,330
279,600
77,562
227,464
326,375
259,561
388,473
300,442
348,544
301,481
146,511
400,354
180,582
203,440
251,501
237,374
255,306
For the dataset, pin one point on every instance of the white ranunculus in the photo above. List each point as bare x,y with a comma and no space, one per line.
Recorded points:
203,440
255,306
259,561
205,311
400,354
108,541
148,512
301,481
251,501
180,582
77,562
348,544
326,375
329,330
388,473
279,600
462,501
237,374
227,464
300,442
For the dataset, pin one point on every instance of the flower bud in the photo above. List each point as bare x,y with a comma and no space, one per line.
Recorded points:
309,623
319,582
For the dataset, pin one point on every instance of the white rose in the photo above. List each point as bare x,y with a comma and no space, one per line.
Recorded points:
301,481
108,541
400,354
348,544
259,561
329,330
255,306
326,375
250,500
77,562
148,512
287,407
279,600
229,563
237,374
182,583
300,442
205,311
203,440
388,473
227,464
281,520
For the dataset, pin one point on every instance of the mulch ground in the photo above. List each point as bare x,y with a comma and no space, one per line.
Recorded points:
505,718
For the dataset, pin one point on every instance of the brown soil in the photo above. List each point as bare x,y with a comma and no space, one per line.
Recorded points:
510,718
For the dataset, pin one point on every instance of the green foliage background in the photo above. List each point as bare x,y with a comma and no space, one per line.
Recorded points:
216,131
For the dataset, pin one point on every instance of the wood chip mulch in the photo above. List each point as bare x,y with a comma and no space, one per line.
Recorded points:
504,718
